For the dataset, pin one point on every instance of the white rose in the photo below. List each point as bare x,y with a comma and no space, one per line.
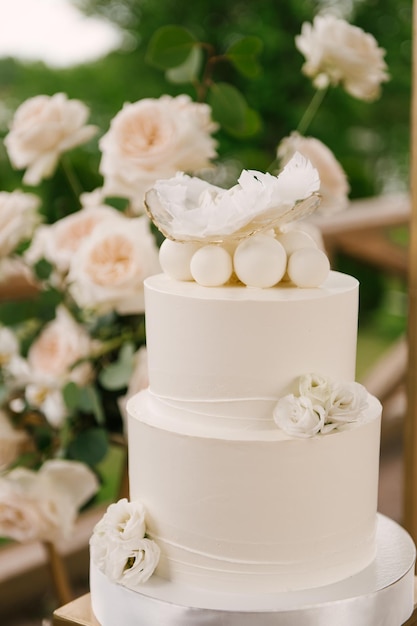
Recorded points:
297,416
337,52
190,209
152,139
317,388
42,129
48,400
109,556
111,265
62,342
334,187
60,241
15,368
43,505
18,219
347,402
118,544
21,517
9,345
142,564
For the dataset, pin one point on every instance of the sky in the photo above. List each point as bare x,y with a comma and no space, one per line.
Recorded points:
53,31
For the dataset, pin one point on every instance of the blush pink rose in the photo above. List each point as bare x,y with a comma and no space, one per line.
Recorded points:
42,129
334,187
111,265
59,346
152,139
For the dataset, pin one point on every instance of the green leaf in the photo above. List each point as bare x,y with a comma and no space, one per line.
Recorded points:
170,47
189,70
89,447
231,110
85,399
252,124
43,269
121,204
243,55
42,305
71,395
116,375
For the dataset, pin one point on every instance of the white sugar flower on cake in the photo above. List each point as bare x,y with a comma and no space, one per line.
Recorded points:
186,208
216,235
119,546
321,406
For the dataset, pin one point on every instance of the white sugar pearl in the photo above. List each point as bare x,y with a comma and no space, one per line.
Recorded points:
211,266
175,258
294,240
308,267
260,261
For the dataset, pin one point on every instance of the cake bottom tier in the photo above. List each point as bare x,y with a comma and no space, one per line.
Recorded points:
381,595
255,511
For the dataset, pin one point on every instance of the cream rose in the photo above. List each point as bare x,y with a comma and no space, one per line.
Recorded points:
9,345
49,400
338,53
152,139
298,416
109,269
119,547
334,187
189,209
43,505
18,219
42,129
53,355
60,241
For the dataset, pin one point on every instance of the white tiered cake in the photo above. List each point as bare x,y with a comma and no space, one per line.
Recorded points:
253,455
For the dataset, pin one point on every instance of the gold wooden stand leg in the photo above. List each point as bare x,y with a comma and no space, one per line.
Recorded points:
58,574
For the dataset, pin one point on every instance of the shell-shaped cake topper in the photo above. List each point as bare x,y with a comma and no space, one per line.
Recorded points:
188,209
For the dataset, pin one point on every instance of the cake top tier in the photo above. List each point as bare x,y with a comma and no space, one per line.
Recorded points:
244,234
227,354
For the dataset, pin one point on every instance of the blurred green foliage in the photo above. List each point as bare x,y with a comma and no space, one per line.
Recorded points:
370,140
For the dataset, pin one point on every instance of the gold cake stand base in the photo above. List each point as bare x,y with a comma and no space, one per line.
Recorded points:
76,613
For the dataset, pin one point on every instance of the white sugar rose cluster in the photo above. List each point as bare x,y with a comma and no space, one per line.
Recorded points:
213,233
119,546
321,406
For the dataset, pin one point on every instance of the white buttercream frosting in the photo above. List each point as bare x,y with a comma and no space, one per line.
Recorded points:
212,350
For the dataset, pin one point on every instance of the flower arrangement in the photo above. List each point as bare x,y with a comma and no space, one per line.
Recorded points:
72,355
321,406
119,545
